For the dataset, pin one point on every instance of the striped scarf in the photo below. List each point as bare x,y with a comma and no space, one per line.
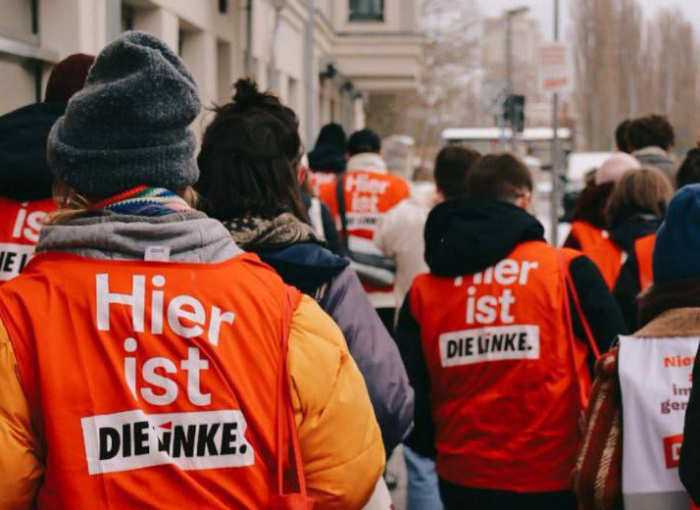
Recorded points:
144,201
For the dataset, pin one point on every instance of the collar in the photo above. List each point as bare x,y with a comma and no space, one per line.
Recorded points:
650,151
679,322
368,162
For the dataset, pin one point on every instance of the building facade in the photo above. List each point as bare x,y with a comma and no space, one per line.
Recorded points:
323,57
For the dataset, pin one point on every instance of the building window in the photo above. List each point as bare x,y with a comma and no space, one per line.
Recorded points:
366,10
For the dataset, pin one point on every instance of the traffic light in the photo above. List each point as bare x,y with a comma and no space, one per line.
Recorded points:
514,112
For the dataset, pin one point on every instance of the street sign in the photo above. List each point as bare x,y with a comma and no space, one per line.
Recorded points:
556,74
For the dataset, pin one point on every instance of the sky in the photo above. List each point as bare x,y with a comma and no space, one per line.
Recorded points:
544,11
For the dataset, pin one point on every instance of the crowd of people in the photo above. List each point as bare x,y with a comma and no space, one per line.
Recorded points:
232,323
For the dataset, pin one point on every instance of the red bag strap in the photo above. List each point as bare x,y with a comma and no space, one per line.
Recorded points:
286,425
569,284
568,288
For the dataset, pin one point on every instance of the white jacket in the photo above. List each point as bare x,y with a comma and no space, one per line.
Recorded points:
400,236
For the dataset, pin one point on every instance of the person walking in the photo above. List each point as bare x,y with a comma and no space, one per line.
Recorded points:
358,199
400,236
25,178
494,338
651,140
635,421
249,167
590,225
635,211
329,156
176,369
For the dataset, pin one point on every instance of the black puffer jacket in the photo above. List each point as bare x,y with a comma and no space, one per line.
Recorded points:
24,172
466,237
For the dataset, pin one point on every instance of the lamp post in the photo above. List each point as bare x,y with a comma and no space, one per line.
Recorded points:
279,6
556,158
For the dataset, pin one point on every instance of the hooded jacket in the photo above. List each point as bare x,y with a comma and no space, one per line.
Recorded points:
340,441
24,172
656,157
628,287
466,237
317,272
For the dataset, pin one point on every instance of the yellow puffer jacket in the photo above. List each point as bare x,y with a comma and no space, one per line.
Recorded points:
340,440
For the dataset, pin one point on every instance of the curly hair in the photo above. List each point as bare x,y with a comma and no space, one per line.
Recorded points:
651,131
250,157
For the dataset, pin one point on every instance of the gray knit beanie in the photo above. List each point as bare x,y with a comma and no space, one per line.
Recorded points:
130,124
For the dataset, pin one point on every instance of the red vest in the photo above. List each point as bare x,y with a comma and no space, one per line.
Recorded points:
506,374
588,236
368,195
154,385
19,233
609,258
644,248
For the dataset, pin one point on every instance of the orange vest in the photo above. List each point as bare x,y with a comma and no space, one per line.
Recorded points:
19,233
506,374
319,179
609,259
153,384
368,195
644,248
588,236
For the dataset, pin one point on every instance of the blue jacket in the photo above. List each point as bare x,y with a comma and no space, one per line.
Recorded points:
317,272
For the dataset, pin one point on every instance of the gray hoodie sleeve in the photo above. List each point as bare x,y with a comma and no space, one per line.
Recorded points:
375,353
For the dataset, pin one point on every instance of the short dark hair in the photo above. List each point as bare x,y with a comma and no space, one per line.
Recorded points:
451,168
621,141
651,131
250,156
499,177
364,140
332,134
689,172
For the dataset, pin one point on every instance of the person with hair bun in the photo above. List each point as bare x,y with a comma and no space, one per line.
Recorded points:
146,361
250,175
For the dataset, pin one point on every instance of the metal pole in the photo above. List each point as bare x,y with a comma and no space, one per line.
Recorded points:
249,71
114,19
556,160
310,73
272,77
508,141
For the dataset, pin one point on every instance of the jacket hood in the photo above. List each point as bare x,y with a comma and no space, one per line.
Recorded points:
191,237
591,203
368,162
658,158
306,266
328,158
24,172
625,232
467,236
